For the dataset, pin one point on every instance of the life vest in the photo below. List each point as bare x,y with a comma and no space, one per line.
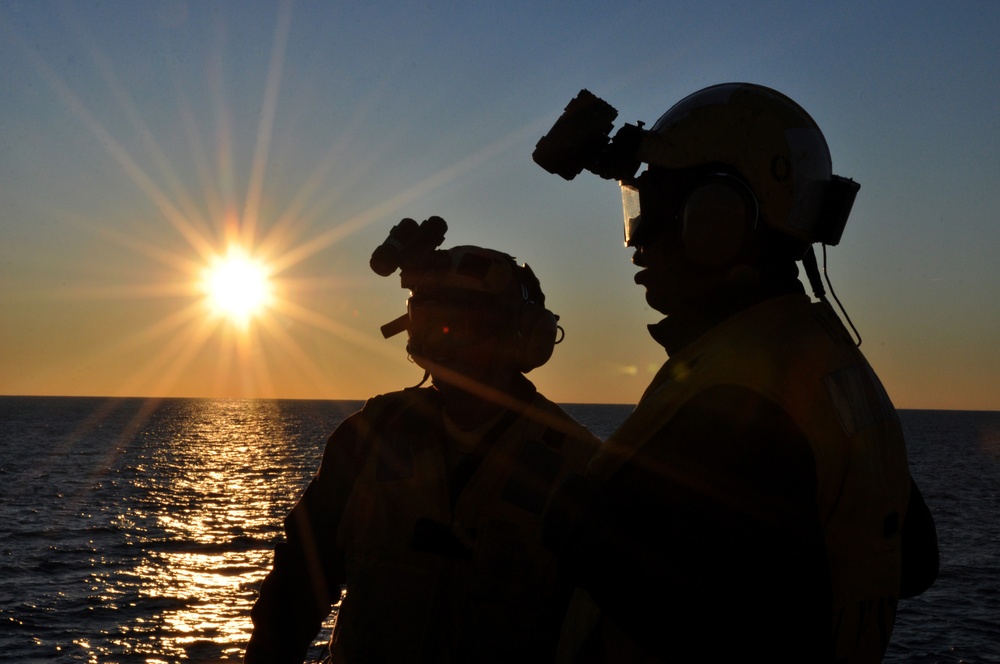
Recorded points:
438,575
798,355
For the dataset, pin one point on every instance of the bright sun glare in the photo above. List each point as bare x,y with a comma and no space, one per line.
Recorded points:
237,287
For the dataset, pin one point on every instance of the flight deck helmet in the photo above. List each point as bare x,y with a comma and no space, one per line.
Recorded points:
735,156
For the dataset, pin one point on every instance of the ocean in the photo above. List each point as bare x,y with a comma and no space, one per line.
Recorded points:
135,530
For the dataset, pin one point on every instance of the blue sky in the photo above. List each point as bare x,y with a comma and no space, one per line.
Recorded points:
133,135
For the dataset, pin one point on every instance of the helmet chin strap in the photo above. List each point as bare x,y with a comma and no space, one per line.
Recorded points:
411,358
816,283
427,374
812,273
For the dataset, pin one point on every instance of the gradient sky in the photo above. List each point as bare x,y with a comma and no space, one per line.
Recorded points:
139,139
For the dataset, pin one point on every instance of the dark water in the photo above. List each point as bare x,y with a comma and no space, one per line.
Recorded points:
138,531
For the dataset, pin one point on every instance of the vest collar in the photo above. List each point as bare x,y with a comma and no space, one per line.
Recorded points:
677,331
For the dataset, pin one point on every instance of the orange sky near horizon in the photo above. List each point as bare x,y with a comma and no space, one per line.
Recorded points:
141,143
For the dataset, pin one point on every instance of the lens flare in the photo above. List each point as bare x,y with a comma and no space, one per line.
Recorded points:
237,287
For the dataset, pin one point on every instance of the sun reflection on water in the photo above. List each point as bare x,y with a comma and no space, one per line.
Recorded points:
218,487
205,593
144,537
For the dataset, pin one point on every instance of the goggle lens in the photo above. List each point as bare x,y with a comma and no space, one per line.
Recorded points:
632,211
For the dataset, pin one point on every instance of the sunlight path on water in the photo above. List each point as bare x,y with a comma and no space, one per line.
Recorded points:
208,520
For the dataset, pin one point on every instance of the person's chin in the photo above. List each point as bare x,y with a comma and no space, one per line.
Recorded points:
660,299
448,373
659,306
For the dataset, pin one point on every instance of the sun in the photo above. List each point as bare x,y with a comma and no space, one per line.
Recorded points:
237,287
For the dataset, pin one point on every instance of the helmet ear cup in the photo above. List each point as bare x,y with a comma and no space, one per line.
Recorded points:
718,215
536,329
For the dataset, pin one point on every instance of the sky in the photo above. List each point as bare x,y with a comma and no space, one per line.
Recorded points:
141,141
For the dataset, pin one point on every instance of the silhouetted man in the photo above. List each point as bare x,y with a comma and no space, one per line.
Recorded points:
427,507
757,504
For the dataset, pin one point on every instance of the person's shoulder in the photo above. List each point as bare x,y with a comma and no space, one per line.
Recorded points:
561,424
379,410
416,405
398,399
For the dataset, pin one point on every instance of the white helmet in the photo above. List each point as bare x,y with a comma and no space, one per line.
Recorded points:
759,136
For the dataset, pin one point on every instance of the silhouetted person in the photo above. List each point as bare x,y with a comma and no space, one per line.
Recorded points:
757,504
427,506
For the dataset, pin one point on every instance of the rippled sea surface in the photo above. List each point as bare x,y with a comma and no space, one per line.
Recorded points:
138,530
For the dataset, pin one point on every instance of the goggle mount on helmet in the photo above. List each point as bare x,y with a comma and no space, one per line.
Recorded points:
580,139
410,247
